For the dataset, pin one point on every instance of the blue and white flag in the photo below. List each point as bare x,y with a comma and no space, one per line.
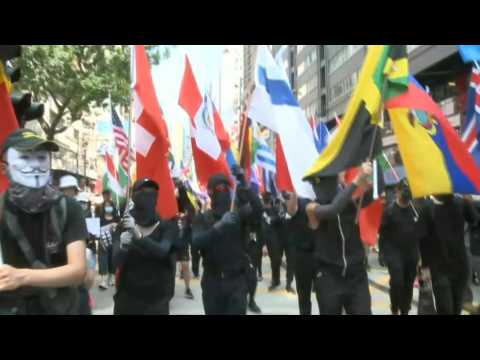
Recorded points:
471,128
321,136
273,105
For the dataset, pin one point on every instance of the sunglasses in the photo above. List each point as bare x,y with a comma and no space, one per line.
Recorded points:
223,188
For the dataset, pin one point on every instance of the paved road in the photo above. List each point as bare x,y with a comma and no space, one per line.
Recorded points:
272,303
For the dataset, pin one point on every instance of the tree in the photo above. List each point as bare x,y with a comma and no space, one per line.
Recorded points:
77,78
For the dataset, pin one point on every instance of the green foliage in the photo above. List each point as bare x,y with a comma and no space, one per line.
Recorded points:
77,78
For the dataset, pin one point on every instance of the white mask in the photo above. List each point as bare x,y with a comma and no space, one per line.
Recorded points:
29,168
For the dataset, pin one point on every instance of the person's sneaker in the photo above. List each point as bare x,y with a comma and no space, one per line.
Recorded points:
103,285
253,307
111,280
290,290
476,279
188,294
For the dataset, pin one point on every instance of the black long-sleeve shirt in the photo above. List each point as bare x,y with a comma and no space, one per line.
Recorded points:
148,266
225,250
445,244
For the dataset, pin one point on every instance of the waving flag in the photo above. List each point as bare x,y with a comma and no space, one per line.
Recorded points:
210,141
8,120
384,75
469,53
321,136
274,106
110,180
470,134
435,159
152,143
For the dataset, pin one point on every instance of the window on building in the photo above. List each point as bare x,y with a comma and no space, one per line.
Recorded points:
312,84
322,52
322,77
343,87
302,91
342,57
300,48
323,106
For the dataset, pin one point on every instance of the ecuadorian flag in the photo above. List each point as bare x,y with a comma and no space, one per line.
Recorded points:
436,160
384,75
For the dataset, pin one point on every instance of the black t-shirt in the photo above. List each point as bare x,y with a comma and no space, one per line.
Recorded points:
38,230
301,235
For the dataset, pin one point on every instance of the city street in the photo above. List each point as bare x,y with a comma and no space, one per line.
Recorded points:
272,303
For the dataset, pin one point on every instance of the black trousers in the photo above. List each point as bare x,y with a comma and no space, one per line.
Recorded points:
277,246
449,285
403,271
252,280
304,279
335,292
195,261
129,305
254,250
224,296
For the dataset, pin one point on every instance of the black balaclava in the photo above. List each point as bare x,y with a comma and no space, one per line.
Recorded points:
144,211
445,199
405,193
221,201
325,189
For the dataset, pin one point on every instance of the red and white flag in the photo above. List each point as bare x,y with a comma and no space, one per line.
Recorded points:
151,134
209,139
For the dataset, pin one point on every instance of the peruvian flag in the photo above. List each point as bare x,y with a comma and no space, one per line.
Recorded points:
210,141
8,120
284,181
151,134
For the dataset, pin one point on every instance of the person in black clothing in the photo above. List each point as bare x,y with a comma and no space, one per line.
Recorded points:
145,256
400,235
220,235
276,238
443,251
302,238
42,233
341,276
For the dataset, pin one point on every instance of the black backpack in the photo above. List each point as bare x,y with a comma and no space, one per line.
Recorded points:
55,301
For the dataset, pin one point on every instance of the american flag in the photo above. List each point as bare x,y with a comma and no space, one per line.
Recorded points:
121,139
471,129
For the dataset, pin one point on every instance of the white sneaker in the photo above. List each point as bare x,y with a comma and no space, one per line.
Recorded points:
111,280
103,284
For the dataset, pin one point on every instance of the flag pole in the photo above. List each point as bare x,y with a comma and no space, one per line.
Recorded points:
476,64
111,117
242,140
130,111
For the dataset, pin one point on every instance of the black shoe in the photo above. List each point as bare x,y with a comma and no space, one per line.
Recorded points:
195,275
253,307
188,294
273,287
290,290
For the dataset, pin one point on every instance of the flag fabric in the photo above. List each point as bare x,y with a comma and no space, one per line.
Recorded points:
210,141
8,119
470,128
435,159
469,53
151,134
110,180
384,74
273,105
121,139
284,181
321,136
245,146
264,156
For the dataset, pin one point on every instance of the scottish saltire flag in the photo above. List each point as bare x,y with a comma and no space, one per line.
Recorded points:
470,132
321,136
469,53
273,105
435,159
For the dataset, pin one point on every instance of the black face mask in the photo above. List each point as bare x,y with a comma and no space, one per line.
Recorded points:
445,199
221,202
406,194
144,211
326,189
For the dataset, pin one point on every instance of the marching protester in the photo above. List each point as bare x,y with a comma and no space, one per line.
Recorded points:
302,237
400,235
42,233
145,256
219,234
109,219
276,237
341,277
187,212
443,253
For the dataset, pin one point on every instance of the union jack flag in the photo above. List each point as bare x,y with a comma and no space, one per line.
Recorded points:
471,128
